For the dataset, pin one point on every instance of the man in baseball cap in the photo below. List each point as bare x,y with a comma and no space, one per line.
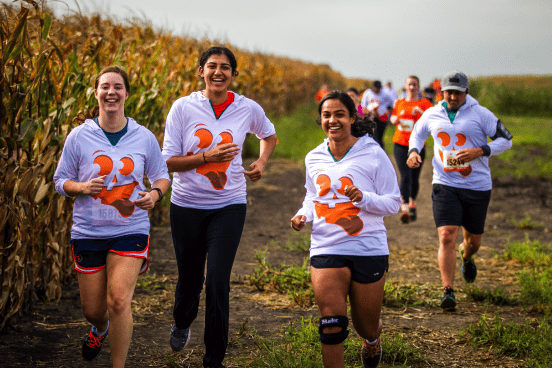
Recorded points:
455,80
461,175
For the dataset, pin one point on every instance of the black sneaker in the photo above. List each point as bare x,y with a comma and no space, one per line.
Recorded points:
371,354
179,338
412,213
92,345
469,269
449,300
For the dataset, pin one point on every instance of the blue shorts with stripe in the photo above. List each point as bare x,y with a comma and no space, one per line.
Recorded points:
90,255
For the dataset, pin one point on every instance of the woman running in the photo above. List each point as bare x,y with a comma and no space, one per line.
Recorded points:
103,165
204,136
406,113
351,184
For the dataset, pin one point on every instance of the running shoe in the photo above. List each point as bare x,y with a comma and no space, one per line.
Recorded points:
92,345
449,300
469,269
412,213
371,354
179,338
405,217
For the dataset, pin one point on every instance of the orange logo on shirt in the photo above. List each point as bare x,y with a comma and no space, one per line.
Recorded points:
460,141
344,214
118,196
214,171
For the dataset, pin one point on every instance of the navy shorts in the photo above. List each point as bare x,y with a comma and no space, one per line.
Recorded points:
460,207
90,255
364,270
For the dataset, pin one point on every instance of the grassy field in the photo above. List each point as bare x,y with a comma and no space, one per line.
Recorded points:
529,157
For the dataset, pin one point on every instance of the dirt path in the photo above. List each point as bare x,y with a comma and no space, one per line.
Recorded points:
53,334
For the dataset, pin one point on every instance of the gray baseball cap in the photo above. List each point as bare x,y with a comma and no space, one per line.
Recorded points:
455,80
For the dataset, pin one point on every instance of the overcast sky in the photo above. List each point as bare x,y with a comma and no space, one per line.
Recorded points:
386,40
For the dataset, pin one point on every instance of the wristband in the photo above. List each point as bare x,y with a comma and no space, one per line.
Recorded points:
486,150
160,193
413,150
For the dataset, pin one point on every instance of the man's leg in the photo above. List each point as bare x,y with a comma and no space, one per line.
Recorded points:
447,253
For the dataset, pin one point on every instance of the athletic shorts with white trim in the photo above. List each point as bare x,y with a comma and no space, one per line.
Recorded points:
460,207
364,269
90,255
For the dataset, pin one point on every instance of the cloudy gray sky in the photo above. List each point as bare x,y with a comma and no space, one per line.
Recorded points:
386,40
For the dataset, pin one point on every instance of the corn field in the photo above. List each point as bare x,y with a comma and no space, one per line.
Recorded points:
48,66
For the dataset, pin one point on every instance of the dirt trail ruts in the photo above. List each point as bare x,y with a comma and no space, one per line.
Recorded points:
52,335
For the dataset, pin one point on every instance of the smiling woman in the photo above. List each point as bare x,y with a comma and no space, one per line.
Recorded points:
103,165
351,185
204,136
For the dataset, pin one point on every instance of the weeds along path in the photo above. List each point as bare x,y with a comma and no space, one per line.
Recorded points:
52,335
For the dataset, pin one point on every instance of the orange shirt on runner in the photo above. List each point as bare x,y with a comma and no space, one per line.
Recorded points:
406,118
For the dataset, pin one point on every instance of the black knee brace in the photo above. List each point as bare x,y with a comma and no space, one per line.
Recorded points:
337,337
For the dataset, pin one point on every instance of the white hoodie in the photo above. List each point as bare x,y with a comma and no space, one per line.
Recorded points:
342,227
470,129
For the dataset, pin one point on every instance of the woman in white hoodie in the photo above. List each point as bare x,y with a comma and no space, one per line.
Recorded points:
204,135
351,185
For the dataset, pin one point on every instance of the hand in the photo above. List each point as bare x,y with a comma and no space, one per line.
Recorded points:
469,154
147,202
354,194
222,153
255,170
298,222
417,110
94,186
414,160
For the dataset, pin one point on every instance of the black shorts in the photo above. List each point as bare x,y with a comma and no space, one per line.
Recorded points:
90,255
364,270
460,207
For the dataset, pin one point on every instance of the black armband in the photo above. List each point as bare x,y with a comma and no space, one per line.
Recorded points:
413,150
486,150
501,132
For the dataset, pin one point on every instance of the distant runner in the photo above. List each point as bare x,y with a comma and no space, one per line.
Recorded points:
378,105
461,175
406,113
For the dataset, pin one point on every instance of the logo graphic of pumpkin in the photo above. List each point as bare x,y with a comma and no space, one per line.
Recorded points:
445,143
343,214
214,171
118,196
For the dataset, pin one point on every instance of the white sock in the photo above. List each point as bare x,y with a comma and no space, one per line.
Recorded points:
372,343
102,333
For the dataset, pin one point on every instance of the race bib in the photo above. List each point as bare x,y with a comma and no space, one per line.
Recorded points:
451,163
406,125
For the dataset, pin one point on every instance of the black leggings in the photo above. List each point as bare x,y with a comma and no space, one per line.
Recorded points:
380,129
410,184
212,236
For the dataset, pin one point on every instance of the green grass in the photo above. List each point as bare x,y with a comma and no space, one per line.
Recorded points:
495,297
299,346
297,242
530,341
526,223
292,280
535,277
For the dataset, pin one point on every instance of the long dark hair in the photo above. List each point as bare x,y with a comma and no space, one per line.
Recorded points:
361,126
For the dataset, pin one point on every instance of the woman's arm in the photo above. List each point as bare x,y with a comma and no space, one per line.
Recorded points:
256,168
221,153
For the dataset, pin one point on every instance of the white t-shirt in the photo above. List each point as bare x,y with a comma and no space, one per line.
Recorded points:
192,128
382,99
343,227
